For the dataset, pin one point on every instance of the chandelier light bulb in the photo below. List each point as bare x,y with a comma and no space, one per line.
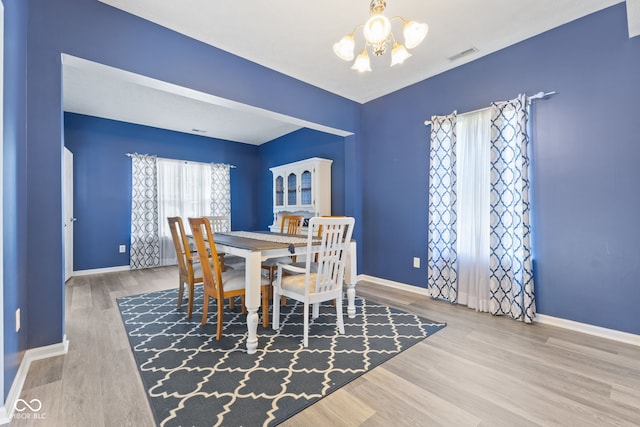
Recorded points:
362,62
344,49
377,28
414,32
398,54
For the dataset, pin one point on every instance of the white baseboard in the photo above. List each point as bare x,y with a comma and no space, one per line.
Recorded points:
6,412
101,270
392,284
585,328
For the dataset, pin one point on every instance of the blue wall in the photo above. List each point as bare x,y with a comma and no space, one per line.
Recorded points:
300,145
585,166
102,177
102,180
14,178
95,31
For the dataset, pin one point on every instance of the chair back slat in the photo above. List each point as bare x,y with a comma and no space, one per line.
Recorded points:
220,223
291,224
180,243
206,247
335,236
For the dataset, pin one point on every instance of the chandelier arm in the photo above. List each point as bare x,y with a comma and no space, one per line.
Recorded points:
353,33
364,39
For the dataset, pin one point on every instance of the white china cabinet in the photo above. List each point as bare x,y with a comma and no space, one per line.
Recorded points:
301,188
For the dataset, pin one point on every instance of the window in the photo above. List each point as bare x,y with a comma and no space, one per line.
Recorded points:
479,245
162,188
189,189
473,203
184,189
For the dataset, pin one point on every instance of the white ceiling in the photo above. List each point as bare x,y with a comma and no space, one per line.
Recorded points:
295,38
98,90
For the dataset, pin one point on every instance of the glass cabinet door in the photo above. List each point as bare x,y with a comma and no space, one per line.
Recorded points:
279,191
302,187
305,188
292,189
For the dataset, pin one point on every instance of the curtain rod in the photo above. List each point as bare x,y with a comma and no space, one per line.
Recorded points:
177,160
539,95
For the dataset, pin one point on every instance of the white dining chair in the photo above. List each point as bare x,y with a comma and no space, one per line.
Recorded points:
290,224
311,285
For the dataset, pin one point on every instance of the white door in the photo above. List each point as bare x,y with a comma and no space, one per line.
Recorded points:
68,214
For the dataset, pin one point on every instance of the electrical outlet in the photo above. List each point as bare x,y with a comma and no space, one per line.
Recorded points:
416,262
123,248
17,320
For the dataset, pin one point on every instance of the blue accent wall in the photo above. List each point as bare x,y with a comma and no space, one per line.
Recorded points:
102,180
585,166
102,177
95,31
14,188
300,145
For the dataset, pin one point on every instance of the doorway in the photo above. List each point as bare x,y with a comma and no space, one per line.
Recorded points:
69,219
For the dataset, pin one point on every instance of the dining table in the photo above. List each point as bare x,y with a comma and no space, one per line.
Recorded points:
258,246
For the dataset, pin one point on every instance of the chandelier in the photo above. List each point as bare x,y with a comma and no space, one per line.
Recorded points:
378,36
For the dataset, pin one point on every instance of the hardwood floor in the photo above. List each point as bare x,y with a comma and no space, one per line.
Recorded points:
479,370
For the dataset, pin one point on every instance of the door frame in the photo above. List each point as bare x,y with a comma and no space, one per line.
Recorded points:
67,211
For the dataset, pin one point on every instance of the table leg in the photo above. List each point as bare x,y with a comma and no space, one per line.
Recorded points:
351,278
252,299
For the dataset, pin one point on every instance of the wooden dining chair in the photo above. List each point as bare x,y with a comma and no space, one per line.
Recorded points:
221,224
189,271
326,282
216,284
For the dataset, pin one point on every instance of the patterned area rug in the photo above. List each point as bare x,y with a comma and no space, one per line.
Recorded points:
194,380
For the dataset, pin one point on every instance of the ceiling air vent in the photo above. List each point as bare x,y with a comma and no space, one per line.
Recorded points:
463,53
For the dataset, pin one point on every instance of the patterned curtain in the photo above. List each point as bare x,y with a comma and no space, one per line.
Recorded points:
221,191
442,271
511,276
145,246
